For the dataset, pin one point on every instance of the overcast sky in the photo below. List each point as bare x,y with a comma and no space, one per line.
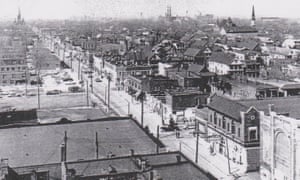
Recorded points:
61,9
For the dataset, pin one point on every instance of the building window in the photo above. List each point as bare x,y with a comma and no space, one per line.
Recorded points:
215,118
2,69
223,123
228,127
7,69
252,133
233,128
239,132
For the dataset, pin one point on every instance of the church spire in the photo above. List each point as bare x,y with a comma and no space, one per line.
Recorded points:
253,17
19,15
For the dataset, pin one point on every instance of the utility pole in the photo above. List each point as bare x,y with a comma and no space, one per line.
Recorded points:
79,68
87,93
228,160
71,59
65,141
97,146
142,108
91,77
26,81
162,114
157,136
197,140
108,92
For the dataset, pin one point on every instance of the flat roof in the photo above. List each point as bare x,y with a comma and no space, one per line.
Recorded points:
166,165
40,144
282,105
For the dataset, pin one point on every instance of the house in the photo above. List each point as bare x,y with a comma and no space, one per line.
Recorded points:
219,63
197,56
150,84
233,131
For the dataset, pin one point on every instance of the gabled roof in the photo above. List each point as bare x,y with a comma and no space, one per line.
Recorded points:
228,107
192,52
199,44
221,57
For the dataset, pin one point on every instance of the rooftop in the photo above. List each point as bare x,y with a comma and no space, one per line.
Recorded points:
166,165
39,144
222,57
228,107
288,105
192,52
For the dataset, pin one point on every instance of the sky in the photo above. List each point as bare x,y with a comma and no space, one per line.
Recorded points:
63,9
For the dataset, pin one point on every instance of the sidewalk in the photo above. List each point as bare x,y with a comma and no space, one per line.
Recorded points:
124,104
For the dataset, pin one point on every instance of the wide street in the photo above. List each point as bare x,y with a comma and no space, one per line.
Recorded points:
124,104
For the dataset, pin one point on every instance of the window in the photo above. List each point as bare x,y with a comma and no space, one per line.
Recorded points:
233,128
12,68
215,118
2,69
239,132
228,126
252,133
223,123
7,69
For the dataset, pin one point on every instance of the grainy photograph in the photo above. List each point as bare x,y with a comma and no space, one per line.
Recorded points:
149,90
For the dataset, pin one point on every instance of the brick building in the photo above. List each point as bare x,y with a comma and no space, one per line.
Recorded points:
235,127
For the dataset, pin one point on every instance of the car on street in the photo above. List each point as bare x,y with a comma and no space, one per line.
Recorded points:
67,79
53,92
98,80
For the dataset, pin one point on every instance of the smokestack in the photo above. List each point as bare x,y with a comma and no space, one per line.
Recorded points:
63,162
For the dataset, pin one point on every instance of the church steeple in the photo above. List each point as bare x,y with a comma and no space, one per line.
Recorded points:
253,17
19,15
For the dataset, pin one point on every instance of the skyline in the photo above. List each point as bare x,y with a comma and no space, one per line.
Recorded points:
56,9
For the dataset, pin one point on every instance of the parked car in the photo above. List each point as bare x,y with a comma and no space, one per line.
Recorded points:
53,92
98,80
67,79
75,89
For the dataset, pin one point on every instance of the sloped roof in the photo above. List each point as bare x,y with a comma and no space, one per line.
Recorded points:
192,52
222,57
199,44
227,107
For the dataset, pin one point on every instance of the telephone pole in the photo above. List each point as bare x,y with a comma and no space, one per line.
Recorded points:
97,146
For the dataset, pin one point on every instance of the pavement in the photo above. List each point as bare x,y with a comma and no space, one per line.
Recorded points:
124,104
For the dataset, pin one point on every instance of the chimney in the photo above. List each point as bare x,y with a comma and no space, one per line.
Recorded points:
131,152
178,157
33,175
271,108
63,162
4,168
